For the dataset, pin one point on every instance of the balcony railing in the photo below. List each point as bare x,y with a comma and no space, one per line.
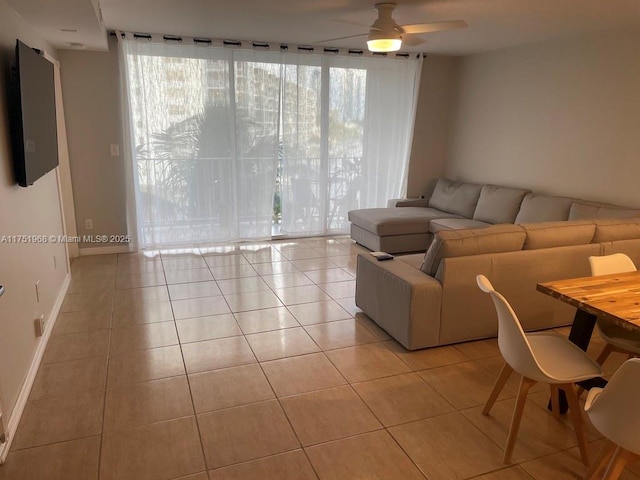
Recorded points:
186,200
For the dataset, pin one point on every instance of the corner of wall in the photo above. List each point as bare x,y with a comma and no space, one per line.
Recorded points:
431,131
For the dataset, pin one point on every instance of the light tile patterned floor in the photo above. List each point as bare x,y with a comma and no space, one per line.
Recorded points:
253,362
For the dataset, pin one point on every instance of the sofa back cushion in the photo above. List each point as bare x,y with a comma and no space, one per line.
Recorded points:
558,234
455,197
614,229
498,204
586,211
543,208
461,243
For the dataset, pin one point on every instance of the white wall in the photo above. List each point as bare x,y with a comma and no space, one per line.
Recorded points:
558,117
429,148
93,119
31,211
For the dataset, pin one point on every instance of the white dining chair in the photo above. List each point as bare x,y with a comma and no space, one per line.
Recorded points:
618,339
543,357
613,411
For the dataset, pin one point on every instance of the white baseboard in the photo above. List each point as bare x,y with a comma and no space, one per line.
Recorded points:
103,250
23,396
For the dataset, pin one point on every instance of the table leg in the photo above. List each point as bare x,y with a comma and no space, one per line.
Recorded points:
582,329
580,334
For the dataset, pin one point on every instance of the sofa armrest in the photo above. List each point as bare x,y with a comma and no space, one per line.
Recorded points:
408,202
400,298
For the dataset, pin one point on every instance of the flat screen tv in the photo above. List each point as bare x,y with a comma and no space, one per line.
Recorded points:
33,112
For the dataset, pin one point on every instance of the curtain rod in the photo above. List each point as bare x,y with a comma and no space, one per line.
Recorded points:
247,44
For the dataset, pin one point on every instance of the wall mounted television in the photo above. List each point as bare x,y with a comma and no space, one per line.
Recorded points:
33,115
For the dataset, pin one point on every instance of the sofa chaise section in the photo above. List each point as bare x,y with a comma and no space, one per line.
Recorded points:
393,230
405,228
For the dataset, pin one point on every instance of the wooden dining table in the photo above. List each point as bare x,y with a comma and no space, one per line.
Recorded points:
614,297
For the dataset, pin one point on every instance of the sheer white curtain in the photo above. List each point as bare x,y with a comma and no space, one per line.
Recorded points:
227,143
204,129
346,135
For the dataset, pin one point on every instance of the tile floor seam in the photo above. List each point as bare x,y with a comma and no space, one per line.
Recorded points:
48,444
535,457
307,391
285,413
231,407
506,467
453,409
522,464
166,287
261,457
351,435
195,414
149,424
74,359
415,464
104,402
376,378
501,447
386,429
436,391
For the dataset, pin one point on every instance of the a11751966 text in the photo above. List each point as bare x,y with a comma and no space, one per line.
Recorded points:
65,239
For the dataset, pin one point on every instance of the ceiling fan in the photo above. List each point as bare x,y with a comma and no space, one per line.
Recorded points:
385,35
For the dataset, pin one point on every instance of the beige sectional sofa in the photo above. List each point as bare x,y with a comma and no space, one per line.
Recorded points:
408,225
429,299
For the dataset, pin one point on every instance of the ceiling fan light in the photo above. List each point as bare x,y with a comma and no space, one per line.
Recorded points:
384,44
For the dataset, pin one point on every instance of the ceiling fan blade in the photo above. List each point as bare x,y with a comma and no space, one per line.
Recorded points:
433,26
340,38
351,22
413,40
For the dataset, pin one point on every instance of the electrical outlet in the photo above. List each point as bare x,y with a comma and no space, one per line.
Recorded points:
88,223
115,150
38,324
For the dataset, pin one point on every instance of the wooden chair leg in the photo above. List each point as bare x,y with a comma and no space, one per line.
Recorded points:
525,385
504,375
555,401
620,459
578,421
598,467
606,351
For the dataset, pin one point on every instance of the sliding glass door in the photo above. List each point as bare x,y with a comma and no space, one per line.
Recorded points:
232,145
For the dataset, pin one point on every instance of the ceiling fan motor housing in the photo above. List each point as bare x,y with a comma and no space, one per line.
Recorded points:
385,26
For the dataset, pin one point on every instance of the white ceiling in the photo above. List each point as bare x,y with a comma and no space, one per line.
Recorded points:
51,17
493,24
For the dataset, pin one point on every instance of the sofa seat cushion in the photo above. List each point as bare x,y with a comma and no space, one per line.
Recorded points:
455,197
455,224
614,229
498,204
558,234
396,221
585,211
543,208
407,202
462,243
